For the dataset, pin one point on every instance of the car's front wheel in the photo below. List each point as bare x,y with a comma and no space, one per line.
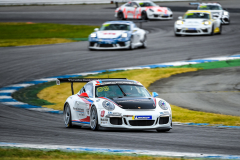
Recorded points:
94,119
144,16
212,32
144,41
120,16
131,47
177,35
67,116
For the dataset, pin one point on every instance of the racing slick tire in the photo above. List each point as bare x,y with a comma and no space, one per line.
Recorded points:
144,42
67,116
130,45
94,119
220,29
120,16
163,130
212,32
177,35
144,16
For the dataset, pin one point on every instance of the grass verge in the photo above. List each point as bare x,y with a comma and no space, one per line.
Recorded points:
59,94
20,34
26,154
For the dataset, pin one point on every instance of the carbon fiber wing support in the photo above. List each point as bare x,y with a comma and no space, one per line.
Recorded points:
81,80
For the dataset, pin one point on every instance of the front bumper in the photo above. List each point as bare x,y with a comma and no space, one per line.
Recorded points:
134,120
105,44
160,16
193,30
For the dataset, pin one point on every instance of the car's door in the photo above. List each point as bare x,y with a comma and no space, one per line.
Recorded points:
130,10
136,34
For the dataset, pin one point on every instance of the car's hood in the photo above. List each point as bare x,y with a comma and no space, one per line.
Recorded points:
193,21
135,103
110,34
156,9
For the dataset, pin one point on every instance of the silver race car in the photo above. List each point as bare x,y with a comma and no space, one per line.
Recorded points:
116,103
196,22
216,10
117,35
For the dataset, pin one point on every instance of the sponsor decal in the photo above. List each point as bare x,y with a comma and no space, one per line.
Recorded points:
161,113
114,113
104,119
109,33
135,100
106,83
145,117
105,88
87,110
102,113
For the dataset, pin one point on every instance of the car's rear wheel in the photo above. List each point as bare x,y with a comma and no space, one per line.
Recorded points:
94,119
144,16
121,16
67,116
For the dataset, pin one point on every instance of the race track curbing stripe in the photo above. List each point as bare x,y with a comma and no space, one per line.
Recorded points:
124,151
6,92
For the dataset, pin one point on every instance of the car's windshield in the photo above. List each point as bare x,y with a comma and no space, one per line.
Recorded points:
147,4
196,16
107,26
121,90
209,7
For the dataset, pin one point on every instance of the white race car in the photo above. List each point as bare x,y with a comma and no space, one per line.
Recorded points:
143,10
117,35
196,22
116,103
216,10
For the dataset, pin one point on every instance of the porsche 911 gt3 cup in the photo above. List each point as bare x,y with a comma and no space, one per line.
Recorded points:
196,22
216,10
116,103
118,35
143,10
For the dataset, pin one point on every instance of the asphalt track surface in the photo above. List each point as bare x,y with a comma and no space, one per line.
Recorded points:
20,64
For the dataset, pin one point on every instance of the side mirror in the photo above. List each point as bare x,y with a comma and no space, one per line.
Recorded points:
154,94
96,29
135,6
180,17
84,94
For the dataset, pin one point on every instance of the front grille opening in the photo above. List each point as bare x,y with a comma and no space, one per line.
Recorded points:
191,31
204,30
105,45
164,120
164,16
125,121
141,122
122,44
155,15
116,121
91,44
178,30
171,15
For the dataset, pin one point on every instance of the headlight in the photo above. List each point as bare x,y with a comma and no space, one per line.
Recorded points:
151,10
179,22
163,105
225,13
207,23
108,105
124,35
93,35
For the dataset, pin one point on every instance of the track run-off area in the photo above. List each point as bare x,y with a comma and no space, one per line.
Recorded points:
28,63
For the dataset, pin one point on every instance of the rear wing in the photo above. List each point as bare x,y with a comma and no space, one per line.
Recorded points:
194,3
80,80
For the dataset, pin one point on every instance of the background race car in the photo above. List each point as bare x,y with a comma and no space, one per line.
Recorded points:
118,35
143,10
195,22
116,103
216,10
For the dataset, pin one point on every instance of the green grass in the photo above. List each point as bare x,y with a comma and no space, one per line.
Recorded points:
7,153
18,34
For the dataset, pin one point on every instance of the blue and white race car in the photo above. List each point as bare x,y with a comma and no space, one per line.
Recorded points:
117,35
115,103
